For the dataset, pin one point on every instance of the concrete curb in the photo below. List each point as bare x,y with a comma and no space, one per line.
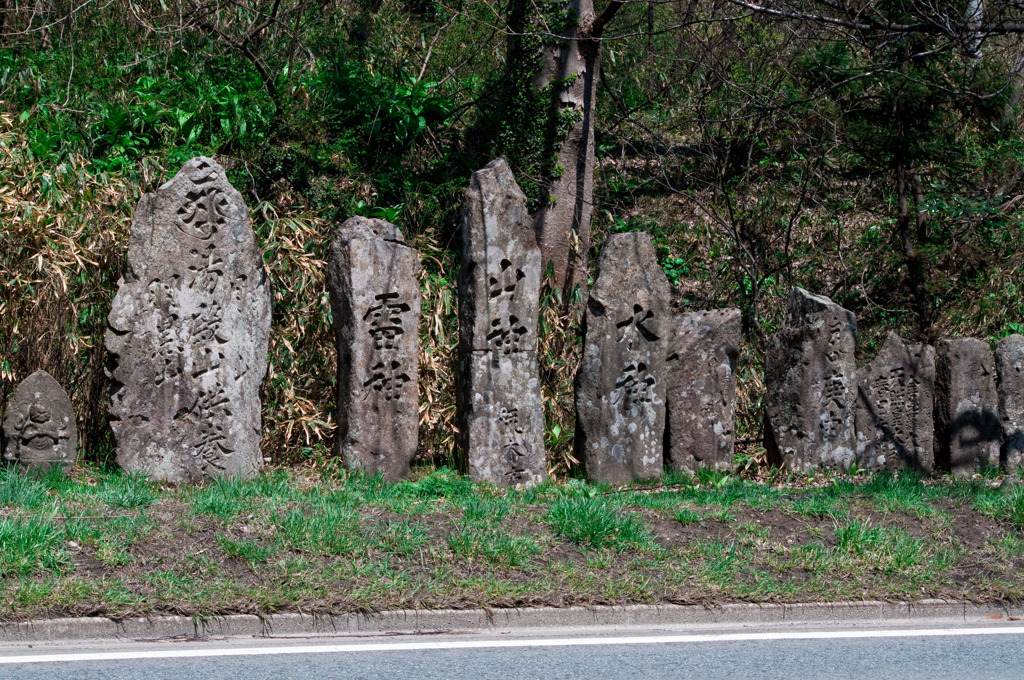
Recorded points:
508,620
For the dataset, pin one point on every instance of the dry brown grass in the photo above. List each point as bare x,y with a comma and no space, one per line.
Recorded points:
61,251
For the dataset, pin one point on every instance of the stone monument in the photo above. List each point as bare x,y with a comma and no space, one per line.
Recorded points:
375,301
1010,386
966,406
620,385
810,381
701,389
39,431
895,399
499,413
188,333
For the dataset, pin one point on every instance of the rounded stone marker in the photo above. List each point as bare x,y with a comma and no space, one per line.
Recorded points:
895,404
188,333
966,406
811,385
620,384
375,302
701,396
498,404
1010,372
39,426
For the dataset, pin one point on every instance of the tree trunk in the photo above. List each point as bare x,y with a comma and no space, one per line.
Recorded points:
563,223
913,226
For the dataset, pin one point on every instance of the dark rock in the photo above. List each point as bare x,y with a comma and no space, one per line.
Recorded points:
375,301
188,333
966,406
620,385
1010,374
701,393
810,381
895,401
499,413
39,426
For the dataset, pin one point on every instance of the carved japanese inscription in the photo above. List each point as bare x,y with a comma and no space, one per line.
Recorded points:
373,278
967,428
39,431
701,396
1010,374
895,397
188,333
811,385
499,413
620,385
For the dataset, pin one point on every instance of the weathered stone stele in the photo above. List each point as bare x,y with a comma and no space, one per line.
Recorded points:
499,413
1010,385
39,427
895,402
701,389
620,384
375,301
187,333
811,386
966,406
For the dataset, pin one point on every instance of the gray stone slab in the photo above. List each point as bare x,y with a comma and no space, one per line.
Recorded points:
967,426
188,333
811,385
39,429
373,278
620,384
701,389
895,404
499,412
1010,386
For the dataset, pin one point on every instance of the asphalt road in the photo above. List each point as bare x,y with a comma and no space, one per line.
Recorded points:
986,651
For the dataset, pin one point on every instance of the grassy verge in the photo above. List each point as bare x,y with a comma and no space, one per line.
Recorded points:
108,544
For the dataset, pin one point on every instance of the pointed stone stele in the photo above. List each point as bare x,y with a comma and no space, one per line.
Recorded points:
620,384
39,431
811,385
895,401
188,333
1010,374
375,301
499,414
966,406
701,389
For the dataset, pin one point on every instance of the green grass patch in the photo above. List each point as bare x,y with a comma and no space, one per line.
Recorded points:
31,544
687,516
594,523
492,544
321,530
246,549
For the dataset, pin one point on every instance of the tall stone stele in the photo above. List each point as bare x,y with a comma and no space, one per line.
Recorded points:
620,384
966,406
701,389
188,333
498,411
373,278
895,400
1010,385
39,431
811,386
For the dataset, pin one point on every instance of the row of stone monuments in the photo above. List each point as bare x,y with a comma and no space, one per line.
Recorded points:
955,407
189,330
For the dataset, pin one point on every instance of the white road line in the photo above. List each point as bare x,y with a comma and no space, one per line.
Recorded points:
490,644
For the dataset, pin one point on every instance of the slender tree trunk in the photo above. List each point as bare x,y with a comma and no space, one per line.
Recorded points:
563,223
912,226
